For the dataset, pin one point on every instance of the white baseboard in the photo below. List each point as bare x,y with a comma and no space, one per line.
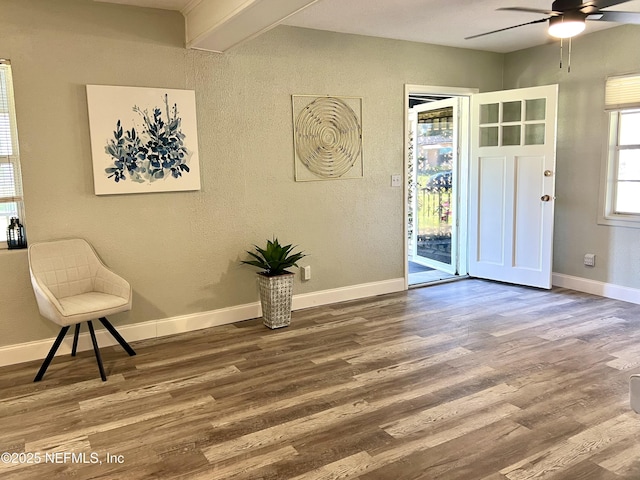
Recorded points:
608,290
37,350
335,295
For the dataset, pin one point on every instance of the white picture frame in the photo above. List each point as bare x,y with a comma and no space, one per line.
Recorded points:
143,140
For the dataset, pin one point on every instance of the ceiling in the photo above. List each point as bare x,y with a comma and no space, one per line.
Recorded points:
440,22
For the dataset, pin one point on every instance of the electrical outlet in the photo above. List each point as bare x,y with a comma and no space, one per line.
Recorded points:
590,259
396,180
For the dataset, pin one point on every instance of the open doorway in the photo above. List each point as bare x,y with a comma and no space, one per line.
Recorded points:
436,173
505,169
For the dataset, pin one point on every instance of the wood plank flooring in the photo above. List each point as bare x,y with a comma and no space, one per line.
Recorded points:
470,380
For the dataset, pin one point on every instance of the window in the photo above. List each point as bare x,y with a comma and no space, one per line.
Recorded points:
621,204
10,180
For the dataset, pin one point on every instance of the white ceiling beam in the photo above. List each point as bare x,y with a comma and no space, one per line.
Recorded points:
218,25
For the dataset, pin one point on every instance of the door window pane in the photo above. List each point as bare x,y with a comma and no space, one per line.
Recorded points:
489,113
512,111
534,134
488,136
511,135
536,109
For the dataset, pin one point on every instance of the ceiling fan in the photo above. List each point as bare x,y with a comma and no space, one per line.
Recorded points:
567,17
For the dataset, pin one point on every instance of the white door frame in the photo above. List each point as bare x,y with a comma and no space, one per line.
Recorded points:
463,182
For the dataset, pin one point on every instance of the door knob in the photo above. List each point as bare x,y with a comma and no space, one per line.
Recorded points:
548,173
545,198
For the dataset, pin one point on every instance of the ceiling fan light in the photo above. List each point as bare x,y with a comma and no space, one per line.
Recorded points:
561,27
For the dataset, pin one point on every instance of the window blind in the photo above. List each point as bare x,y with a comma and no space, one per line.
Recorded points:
10,185
622,92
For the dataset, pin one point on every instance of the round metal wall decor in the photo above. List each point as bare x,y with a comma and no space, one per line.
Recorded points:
328,137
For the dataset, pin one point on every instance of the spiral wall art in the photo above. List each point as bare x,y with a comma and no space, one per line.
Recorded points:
327,137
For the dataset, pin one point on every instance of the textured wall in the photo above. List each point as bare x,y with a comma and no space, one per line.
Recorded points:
181,250
582,137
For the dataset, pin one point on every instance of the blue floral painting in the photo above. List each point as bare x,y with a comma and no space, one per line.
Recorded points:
152,141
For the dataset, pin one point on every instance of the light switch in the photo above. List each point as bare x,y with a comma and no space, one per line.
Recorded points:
306,272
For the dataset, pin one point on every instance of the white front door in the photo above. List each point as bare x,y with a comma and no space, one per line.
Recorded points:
512,185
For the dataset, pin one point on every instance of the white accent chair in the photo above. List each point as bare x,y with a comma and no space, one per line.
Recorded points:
72,286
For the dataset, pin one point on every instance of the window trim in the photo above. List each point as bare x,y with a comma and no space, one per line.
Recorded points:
608,179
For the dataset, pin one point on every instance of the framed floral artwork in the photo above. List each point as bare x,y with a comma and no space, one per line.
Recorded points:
143,139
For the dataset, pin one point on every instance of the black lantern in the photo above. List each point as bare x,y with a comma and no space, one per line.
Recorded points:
15,234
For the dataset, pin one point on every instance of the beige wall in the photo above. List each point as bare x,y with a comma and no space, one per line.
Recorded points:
181,250
582,137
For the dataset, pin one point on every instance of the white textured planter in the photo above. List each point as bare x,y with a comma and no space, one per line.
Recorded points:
275,297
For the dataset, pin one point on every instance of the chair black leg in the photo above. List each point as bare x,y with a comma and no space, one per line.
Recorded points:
52,352
117,336
97,351
75,340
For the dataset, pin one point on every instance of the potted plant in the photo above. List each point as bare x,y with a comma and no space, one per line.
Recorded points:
275,282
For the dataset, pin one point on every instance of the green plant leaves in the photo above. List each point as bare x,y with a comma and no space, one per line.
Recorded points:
275,258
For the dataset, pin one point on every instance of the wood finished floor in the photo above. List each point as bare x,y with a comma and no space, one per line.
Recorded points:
460,381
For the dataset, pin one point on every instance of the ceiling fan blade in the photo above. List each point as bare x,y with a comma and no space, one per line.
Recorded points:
600,4
530,10
507,28
620,17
